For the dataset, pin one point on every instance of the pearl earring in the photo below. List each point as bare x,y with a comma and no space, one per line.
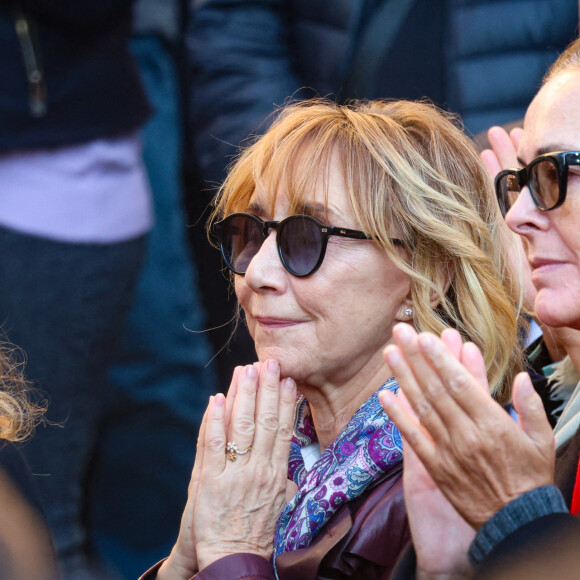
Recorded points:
408,312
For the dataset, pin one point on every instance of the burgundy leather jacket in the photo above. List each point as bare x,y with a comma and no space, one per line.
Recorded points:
362,541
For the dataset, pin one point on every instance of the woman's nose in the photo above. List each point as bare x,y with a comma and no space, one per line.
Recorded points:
265,269
524,215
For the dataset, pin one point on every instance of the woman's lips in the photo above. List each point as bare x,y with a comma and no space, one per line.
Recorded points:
273,323
544,266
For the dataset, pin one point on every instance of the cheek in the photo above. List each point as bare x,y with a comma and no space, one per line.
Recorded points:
243,295
568,231
373,301
241,289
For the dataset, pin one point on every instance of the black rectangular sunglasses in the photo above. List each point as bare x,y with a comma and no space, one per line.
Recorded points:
546,177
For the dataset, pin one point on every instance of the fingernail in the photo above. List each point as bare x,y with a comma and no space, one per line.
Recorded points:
384,401
219,400
402,333
392,355
288,384
426,341
273,366
251,371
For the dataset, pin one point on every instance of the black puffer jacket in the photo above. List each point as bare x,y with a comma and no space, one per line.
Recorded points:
67,75
480,58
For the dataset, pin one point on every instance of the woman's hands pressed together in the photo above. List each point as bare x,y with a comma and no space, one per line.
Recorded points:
476,454
236,494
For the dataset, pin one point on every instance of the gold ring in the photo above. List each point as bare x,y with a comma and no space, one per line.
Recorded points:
232,450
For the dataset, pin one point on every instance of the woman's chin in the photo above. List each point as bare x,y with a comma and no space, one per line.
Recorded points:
555,312
272,352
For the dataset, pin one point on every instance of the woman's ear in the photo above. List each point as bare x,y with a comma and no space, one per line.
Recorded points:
443,280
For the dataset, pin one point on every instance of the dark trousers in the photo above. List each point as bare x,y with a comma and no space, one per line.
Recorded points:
65,305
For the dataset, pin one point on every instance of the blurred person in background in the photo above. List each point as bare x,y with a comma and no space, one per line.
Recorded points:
75,209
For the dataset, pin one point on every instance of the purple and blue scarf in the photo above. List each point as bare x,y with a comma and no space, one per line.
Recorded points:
368,447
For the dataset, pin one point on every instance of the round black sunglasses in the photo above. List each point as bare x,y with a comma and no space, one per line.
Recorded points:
546,177
301,241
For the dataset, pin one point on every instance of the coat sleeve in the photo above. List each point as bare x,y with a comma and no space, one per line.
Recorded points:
241,70
532,537
238,567
546,547
233,567
534,504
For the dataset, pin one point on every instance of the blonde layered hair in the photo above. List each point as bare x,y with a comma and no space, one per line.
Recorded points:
404,164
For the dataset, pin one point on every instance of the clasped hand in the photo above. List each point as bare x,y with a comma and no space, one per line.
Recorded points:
234,498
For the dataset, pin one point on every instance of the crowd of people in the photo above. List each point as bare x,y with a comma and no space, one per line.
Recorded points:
388,327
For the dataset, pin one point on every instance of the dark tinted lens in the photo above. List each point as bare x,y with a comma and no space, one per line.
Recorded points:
240,238
300,242
508,190
544,184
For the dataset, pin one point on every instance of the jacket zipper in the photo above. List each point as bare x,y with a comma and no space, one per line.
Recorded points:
34,72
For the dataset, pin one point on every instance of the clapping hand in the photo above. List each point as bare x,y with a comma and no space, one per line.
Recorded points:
476,454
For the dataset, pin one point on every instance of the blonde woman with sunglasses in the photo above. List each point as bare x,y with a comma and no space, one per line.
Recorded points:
338,223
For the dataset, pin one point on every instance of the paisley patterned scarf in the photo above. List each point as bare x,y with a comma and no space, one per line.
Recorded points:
368,447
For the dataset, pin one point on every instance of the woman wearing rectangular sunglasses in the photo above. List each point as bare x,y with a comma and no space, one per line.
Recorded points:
507,481
336,224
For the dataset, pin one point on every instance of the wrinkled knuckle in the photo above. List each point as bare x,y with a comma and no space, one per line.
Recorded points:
458,383
285,432
436,359
215,443
269,422
245,426
435,389
423,408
